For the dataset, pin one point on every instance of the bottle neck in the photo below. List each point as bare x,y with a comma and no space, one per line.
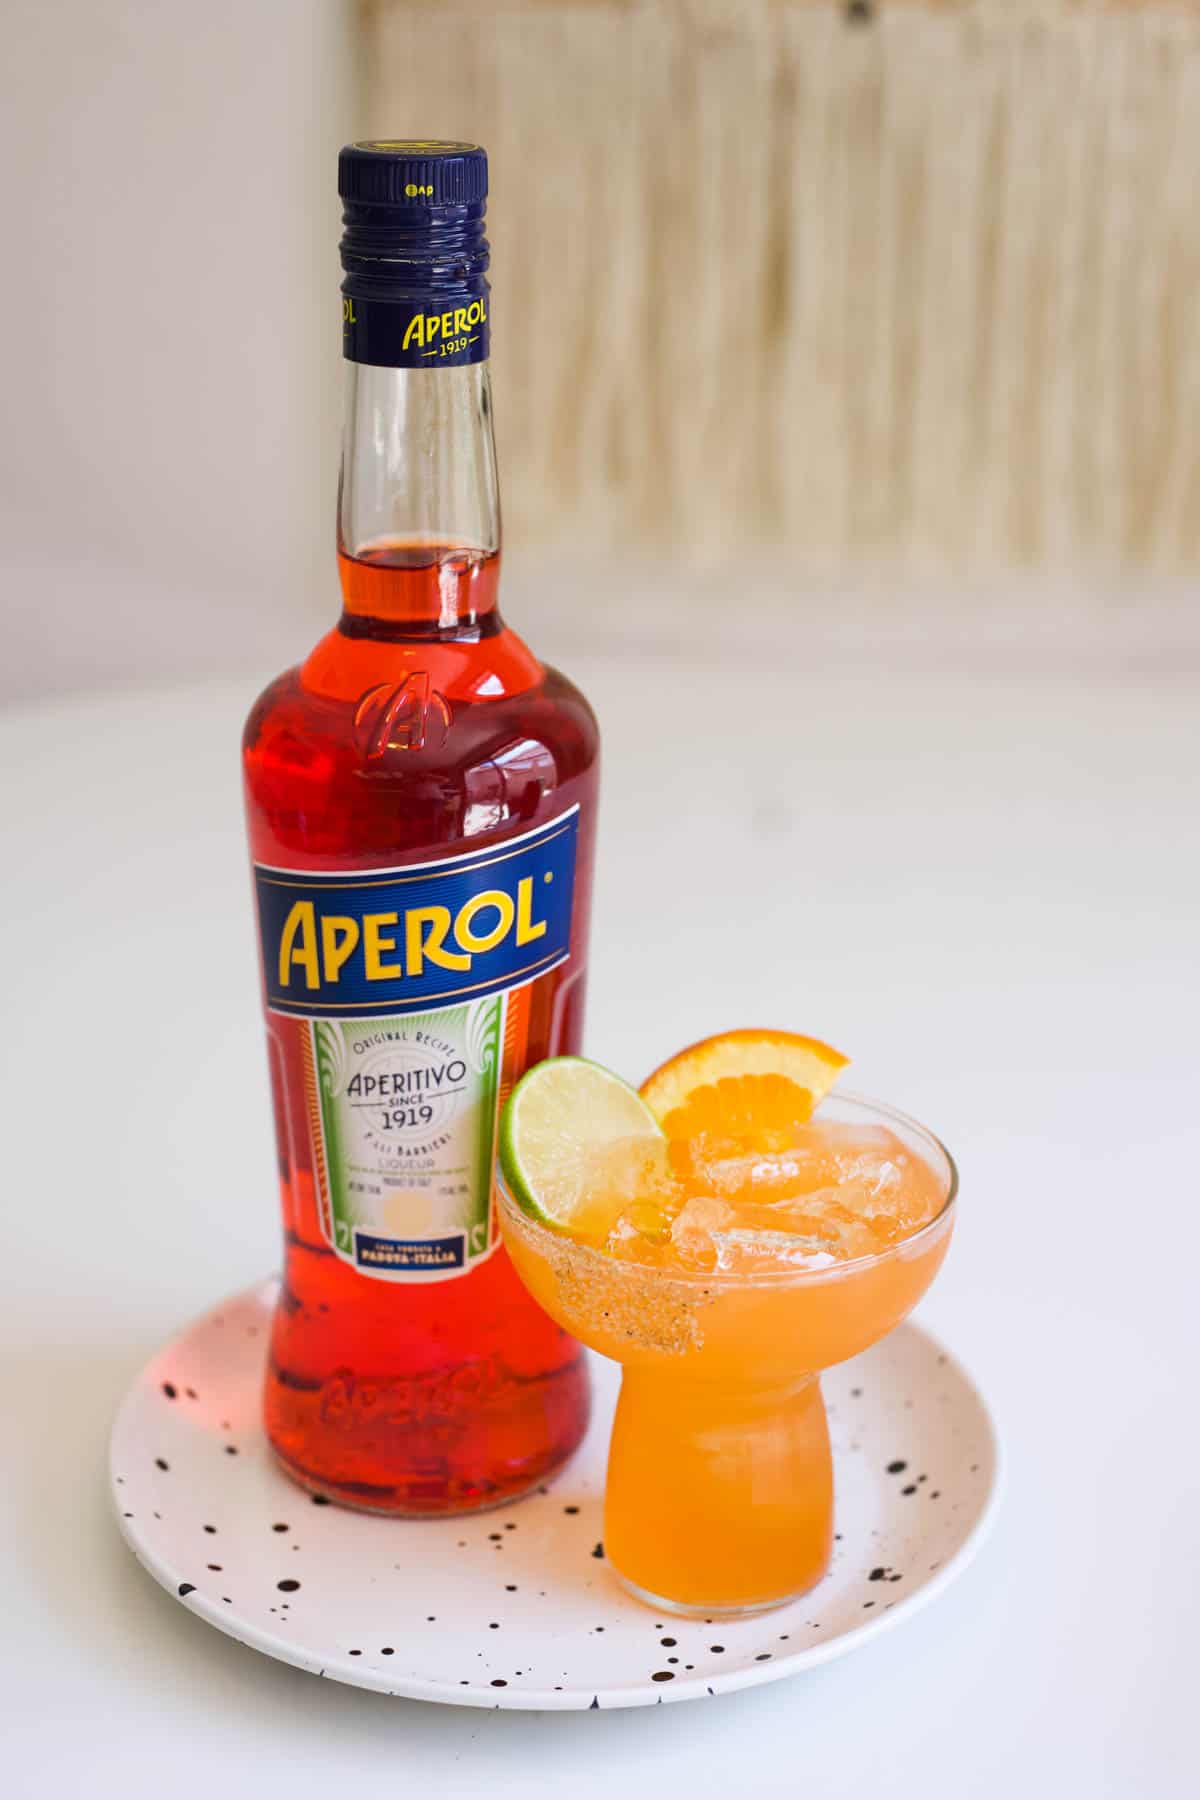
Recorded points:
418,501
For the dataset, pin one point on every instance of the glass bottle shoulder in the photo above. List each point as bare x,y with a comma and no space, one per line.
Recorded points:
372,750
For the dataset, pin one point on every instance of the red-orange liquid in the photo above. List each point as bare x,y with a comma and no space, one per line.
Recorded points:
421,725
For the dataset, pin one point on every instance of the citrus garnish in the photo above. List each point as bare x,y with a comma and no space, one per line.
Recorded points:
749,1089
577,1145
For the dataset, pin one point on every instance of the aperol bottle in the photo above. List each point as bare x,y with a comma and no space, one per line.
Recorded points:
421,798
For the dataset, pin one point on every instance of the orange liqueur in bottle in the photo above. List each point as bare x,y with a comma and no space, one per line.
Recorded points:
421,802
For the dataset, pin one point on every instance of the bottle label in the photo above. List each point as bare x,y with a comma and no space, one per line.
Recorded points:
404,1115
418,332
413,988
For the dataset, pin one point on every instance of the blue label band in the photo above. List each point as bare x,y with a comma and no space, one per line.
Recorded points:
427,331
373,942
402,1256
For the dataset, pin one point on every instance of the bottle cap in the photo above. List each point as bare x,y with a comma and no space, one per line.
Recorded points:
414,254
408,173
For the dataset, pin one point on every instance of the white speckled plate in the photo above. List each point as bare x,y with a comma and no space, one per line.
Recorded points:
515,1607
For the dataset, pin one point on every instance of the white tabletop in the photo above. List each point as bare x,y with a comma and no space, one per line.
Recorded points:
984,889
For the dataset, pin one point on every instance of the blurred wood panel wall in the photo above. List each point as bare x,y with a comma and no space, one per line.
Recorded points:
906,282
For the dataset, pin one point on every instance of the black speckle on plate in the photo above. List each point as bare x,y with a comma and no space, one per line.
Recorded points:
185,1588
320,1499
898,1467
231,1449
170,1390
663,1675
211,1529
570,1509
910,1488
599,1550
288,1586
499,1681
280,1527
161,1463
387,1650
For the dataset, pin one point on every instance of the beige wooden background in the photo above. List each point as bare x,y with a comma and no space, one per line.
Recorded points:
905,290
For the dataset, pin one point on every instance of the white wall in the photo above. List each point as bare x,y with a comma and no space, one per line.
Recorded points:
169,411
170,317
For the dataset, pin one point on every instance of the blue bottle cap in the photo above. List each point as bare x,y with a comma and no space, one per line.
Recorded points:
408,173
414,254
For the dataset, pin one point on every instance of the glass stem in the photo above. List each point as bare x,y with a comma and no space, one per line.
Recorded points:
693,1464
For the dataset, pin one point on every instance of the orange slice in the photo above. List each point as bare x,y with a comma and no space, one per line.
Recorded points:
745,1089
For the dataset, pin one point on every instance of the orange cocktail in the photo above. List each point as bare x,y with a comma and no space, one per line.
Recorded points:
722,1309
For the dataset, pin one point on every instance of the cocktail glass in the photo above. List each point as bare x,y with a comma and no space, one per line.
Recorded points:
719,1499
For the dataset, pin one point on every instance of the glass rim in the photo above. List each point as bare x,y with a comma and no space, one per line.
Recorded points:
773,1277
